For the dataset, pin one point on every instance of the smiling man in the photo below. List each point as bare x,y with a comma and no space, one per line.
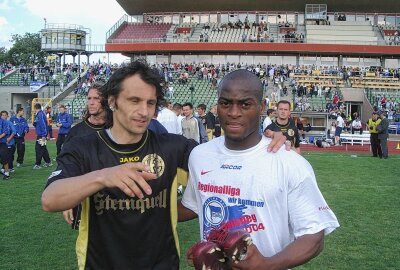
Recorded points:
240,186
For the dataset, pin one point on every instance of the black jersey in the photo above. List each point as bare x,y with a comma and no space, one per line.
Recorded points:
117,231
79,130
82,129
289,130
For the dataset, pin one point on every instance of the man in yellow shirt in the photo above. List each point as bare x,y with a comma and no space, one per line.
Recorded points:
375,145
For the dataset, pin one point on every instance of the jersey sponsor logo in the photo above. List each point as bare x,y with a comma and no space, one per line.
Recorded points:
55,173
103,203
129,159
156,164
204,172
290,132
324,208
228,190
231,167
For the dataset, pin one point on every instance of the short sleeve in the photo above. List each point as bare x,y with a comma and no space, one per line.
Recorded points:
70,162
308,211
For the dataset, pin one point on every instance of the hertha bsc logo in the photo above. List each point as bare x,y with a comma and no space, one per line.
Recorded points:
156,163
290,132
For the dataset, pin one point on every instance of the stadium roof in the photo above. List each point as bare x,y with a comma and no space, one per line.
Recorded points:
137,7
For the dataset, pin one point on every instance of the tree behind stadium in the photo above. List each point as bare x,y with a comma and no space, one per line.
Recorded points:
26,50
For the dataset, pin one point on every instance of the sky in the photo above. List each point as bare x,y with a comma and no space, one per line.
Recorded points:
21,16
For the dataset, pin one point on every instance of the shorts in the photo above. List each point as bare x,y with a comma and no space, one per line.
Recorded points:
338,131
4,154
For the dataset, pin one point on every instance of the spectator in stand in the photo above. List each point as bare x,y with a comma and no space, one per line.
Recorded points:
21,127
356,125
41,129
64,123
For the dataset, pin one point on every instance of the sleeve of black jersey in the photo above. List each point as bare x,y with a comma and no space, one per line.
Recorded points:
296,138
70,162
189,144
210,121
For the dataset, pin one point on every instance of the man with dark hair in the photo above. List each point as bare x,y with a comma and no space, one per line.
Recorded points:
242,193
268,121
64,123
286,125
113,165
192,128
21,127
41,130
372,123
201,111
177,108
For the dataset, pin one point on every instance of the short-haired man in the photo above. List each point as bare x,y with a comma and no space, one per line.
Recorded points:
268,119
64,123
201,111
21,127
41,129
383,133
340,124
10,140
192,128
177,108
4,156
286,125
168,118
373,122
240,186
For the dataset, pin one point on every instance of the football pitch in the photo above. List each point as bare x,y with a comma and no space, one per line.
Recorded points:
364,193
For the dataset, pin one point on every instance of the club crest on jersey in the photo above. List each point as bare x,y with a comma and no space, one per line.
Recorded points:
231,167
156,164
290,132
215,212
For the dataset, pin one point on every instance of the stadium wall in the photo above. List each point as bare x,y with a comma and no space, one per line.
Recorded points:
12,95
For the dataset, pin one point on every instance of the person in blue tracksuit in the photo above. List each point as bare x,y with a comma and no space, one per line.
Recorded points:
41,130
4,156
21,127
64,123
10,140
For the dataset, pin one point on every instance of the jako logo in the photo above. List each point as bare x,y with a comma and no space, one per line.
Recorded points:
231,167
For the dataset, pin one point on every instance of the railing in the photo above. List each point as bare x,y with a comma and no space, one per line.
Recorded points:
269,40
124,18
99,48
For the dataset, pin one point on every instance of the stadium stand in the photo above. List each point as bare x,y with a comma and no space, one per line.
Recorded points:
342,32
141,31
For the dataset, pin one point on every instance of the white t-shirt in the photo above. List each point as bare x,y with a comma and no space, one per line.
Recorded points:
275,197
340,122
169,120
179,119
266,123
